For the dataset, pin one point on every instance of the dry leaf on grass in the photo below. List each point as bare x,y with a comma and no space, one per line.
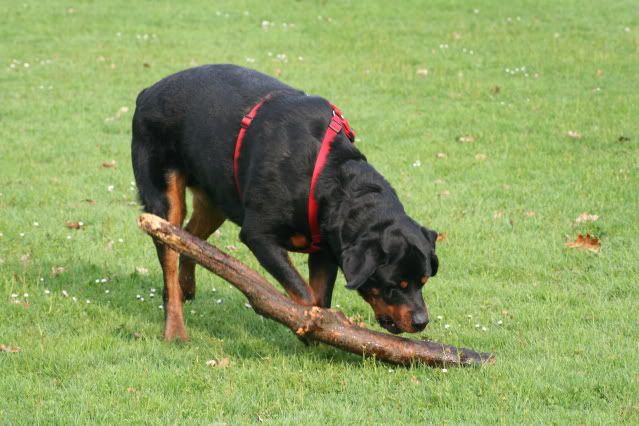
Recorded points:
89,201
495,90
422,72
219,363
466,139
586,217
74,224
109,164
57,270
587,242
141,270
480,157
9,349
442,237
574,134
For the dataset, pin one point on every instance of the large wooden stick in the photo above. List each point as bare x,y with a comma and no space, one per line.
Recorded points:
329,326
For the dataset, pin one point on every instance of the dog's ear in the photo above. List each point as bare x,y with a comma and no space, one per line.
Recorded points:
434,265
358,266
430,235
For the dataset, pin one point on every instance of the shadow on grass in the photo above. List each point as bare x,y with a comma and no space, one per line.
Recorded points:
216,317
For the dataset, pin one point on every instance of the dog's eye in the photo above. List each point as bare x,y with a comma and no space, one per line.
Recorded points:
403,284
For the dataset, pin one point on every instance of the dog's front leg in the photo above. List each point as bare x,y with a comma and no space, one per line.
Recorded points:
276,261
322,271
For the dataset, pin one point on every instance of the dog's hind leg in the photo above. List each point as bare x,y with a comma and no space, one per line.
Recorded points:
205,219
172,294
161,189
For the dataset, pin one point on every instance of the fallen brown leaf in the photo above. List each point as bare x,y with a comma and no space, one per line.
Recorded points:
442,237
89,201
444,193
495,90
130,390
423,72
74,225
109,164
587,242
480,157
9,349
146,65
441,155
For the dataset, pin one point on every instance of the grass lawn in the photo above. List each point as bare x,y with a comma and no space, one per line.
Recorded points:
498,123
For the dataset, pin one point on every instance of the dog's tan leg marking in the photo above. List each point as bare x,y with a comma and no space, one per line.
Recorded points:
174,324
206,218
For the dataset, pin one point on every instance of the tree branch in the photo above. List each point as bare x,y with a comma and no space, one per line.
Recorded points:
329,326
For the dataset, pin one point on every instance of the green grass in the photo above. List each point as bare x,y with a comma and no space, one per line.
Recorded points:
567,345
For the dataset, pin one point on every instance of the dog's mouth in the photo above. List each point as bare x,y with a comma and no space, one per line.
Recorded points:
389,325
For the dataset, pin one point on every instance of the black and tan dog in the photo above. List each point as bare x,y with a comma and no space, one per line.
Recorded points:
185,132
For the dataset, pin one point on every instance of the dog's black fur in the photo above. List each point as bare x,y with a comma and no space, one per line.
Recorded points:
184,132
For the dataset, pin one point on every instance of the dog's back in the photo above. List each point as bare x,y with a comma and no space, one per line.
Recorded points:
188,122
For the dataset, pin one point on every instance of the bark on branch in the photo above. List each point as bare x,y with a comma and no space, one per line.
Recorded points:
328,326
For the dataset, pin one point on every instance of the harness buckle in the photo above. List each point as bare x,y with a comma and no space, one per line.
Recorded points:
336,124
246,121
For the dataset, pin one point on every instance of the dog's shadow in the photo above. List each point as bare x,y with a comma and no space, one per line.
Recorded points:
219,317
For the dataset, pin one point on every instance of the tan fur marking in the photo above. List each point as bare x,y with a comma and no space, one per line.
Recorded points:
174,326
205,219
299,241
424,279
318,283
400,314
403,284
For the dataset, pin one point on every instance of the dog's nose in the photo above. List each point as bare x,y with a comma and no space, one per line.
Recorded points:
419,321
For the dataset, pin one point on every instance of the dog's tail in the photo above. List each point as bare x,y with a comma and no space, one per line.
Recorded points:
148,158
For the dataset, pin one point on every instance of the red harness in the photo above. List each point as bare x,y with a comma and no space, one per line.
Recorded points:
337,124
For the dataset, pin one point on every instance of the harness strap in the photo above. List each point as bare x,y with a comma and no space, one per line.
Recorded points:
244,124
336,125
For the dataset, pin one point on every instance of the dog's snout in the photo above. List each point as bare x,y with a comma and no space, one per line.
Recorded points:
420,320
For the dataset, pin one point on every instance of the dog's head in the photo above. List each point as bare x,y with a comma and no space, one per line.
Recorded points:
388,268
